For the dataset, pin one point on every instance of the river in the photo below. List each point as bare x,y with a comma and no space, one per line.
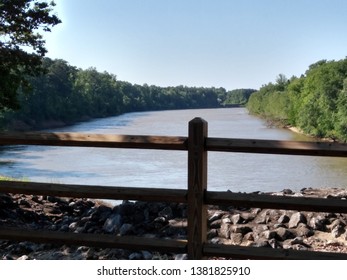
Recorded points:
168,169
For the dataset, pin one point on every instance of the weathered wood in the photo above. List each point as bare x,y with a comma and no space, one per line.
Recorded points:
243,252
96,192
332,205
95,140
277,147
94,240
197,185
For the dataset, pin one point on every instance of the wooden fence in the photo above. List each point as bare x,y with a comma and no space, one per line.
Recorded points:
197,144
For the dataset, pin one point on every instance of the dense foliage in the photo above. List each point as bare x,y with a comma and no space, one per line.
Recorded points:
65,94
316,102
238,96
21,45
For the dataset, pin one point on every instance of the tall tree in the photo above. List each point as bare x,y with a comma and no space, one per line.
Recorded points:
21,45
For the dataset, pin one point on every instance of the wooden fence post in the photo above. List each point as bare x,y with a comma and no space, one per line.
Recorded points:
197,185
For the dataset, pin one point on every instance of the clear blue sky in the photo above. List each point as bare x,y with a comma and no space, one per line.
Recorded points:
220,43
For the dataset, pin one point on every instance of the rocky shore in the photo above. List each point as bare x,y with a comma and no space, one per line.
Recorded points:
228,225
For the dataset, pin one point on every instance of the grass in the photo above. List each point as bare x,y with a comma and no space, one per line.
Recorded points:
6,178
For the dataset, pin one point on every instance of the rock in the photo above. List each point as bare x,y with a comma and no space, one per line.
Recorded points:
113,223
102,213
282,234
298,240
24,257
215,216
72,204
287,191
295,219
258,229
224,231
262,217
279,226
212,233
126,208
216,224
236,219
303,230
273,215
318,223
166,213
236,238
51,210
261,243
79,230
230,225
180,257
7,257
249,236
268,234
64,228
25,203
338,230
126,229
299,247
226,220
55,199
275,244
244,229
255,211
82,249
215,240
161,220
147,255
247,217
135,256
73,226
283,219
344,236
335,223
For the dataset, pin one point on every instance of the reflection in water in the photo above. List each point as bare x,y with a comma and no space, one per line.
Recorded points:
168,169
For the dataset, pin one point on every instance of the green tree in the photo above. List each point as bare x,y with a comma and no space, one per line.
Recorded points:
318,110
21,45
341,124
238,96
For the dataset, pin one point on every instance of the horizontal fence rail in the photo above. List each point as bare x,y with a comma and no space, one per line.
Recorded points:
95,240
276,202
95,140
197,197
330,149
96,192
243,252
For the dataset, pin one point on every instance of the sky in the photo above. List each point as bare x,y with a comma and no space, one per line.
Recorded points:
208,43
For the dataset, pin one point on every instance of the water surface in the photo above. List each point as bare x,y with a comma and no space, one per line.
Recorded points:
168,169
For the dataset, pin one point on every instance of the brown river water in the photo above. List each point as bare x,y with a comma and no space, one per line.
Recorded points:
168,169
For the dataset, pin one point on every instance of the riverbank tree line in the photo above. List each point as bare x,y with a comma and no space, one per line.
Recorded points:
316,102
64,94
38,92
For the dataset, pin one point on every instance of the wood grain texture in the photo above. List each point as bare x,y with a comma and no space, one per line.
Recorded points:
197,185
277,147
96,192
94,240
332,205
95,140
243,252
